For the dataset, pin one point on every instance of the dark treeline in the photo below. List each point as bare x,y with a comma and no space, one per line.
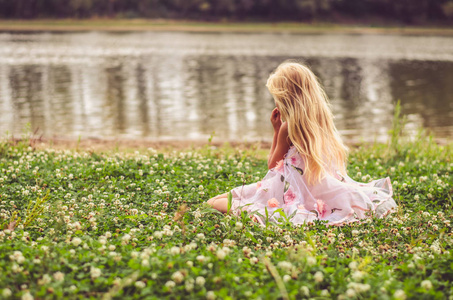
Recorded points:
404,11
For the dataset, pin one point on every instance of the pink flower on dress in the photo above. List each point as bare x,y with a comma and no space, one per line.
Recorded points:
279,165
289,197
258,184
301,207
321,207
272,202
294,160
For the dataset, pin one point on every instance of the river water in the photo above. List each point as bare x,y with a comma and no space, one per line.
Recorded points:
189,86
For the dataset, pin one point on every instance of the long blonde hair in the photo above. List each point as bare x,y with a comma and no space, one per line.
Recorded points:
304,105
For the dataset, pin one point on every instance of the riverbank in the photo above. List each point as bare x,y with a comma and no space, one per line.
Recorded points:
125,25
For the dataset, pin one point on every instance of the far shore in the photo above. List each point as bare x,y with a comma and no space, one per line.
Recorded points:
126,25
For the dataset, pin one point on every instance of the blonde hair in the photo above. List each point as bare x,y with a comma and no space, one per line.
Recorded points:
304,105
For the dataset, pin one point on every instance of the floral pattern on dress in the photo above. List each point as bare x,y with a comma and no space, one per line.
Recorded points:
336,199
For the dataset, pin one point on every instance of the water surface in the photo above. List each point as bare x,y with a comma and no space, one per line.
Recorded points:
170,85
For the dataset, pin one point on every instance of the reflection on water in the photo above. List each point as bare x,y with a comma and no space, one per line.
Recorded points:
187,86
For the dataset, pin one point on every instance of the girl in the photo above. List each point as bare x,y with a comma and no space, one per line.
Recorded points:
307,178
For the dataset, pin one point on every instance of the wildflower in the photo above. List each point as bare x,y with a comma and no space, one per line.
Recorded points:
311,261
189,285
170,284
201,258
178,277
44,280
6,292
400,295
304,290
59,276
140,284
210,295
353,265
357,275
286,278
319,277
95,272
76,241
285,265
238,225
126,238
350,293
272,202
175,250
426,284
27,296
200,281
221,254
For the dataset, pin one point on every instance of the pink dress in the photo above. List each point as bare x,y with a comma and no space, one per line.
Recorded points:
336,199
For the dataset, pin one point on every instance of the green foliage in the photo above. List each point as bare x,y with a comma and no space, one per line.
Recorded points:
407,11
137,225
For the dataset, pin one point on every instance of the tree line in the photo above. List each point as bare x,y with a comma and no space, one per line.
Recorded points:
403,11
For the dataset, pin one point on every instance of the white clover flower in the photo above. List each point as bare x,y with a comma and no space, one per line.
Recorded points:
221,254
350,293
239,225
27,296
286,278
189,263
95,272
201,258
170,284
400,295
253,260
189,286
319,277
44,280
140,284
357,275
178,277
426,284
58,276
304,290
76,241
210,295
6,292
200,281
126,238
285,265
311,261
145,263
175,250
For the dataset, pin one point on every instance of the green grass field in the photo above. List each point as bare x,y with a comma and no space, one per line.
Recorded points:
132,225
174,25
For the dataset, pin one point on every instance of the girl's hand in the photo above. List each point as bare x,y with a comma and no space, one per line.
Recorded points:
276,119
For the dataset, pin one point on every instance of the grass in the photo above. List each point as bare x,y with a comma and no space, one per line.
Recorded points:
131,225
181,25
